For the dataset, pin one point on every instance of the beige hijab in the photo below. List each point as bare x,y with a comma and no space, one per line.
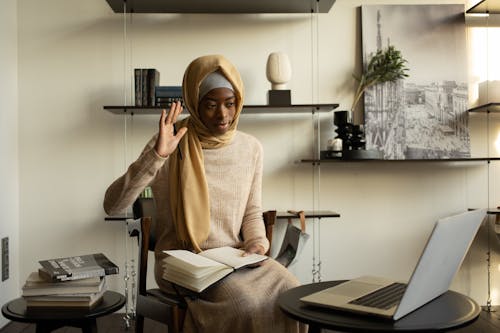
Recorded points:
189,200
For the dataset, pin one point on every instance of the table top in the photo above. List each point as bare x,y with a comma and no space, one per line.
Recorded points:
16,310
450,310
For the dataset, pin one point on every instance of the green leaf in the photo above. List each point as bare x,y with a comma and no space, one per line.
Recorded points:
387,65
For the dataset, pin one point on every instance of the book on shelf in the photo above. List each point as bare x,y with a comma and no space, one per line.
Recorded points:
197,272
153,80
138,86
35,285
144,85
69,301
77,267
168,91
167,101
145,82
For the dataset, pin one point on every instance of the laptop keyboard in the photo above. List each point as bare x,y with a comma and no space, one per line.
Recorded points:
384,298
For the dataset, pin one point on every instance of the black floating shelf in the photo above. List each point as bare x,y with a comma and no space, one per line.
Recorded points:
279,215
489,107
485,7
308,214
221,6
247,109
434,160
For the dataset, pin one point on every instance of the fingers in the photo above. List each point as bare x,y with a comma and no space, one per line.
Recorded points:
163,117
254,249
175,110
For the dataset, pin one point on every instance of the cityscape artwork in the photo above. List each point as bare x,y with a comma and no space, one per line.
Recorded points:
423,116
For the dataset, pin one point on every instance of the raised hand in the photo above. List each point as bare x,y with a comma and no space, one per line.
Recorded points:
167,139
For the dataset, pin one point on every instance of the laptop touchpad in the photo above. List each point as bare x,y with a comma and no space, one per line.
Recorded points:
354,288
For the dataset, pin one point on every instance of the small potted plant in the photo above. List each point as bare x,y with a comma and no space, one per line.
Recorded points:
387,65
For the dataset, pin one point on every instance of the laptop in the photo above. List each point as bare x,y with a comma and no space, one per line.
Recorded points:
440,260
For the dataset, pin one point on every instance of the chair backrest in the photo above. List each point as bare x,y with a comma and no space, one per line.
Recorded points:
145,207
269,217
144,211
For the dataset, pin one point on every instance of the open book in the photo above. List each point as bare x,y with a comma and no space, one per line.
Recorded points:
199,271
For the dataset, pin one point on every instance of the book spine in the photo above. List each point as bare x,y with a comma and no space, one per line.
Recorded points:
153,81
75,276
168,91
144,85
109,267
138,86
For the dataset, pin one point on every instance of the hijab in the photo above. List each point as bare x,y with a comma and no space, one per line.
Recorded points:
189,198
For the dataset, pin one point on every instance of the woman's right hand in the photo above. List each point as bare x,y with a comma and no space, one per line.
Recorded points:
167,140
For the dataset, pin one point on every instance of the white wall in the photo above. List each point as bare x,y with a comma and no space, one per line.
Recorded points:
9,178
72,61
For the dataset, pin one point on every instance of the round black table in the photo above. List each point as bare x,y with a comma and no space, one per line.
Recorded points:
450,310
47,319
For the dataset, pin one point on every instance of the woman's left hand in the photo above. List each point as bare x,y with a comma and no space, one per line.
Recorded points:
258,249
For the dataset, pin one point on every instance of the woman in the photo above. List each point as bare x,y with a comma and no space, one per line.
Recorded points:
206,180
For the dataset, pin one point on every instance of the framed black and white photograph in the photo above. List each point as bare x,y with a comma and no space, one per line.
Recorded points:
424,115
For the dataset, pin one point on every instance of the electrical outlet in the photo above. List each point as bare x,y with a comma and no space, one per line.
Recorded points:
5,258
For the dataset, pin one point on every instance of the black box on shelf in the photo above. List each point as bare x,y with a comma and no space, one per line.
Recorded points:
279,97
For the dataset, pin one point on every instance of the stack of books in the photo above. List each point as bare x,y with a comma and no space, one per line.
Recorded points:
72,282
166,95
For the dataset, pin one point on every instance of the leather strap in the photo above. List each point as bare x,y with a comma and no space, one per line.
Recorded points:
302,217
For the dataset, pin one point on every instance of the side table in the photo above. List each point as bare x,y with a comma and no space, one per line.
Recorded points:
448,311
52,319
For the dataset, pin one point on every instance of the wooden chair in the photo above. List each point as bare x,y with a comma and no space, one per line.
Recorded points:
154,304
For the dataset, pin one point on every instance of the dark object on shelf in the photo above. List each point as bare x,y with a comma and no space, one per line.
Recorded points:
344,128
358,141
222,6
361,154
168,91
145,82
352,136
279,97
330,154
358,154
166,95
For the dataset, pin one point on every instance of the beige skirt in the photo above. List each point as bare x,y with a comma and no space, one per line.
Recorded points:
245,301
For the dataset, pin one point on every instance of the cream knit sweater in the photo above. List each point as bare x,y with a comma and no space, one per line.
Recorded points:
234,177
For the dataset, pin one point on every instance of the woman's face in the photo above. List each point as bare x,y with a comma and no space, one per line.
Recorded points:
217,109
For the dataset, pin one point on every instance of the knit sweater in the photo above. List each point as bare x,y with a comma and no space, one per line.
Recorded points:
234,178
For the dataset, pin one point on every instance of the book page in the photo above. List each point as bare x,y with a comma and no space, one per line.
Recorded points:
232,257
192,258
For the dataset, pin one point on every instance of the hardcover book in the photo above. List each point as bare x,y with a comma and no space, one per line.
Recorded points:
153,79
35,285
197,272
77,267
138,86
72,301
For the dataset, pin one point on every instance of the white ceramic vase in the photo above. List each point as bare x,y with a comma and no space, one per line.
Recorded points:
278,70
